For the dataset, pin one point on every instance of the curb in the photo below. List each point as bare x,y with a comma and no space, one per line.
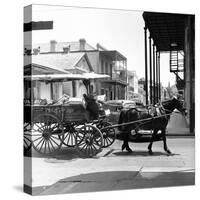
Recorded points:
181,135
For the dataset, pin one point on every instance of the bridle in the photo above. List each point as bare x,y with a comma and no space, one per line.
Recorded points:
167,110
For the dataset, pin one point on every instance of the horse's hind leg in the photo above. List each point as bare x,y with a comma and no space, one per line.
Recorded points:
165,141
125,145
151,141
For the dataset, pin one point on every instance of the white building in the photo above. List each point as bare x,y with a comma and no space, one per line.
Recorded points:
56,63
132,85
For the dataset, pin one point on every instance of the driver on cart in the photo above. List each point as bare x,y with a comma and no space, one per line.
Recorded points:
92,106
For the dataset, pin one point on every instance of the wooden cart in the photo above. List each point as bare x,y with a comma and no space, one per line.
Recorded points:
48,127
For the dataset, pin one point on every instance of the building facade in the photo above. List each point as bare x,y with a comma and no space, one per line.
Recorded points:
56,63
132,89
103,61
173,34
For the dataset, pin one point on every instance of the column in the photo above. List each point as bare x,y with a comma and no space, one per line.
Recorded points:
159,88
150,66
157,98
154,78
146,67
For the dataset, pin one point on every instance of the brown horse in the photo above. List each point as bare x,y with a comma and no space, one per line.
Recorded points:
155,124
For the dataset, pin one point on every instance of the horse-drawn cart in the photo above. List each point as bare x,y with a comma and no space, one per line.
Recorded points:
52,126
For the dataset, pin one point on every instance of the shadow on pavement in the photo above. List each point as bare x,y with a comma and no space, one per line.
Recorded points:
143,153
66,153
117,180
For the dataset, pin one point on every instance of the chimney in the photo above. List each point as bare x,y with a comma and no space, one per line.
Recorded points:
53,45
66,49
36,51
100,47
82,44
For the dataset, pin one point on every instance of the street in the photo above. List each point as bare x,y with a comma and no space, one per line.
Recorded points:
112,169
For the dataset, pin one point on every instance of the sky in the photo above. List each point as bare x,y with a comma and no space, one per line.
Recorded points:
119,30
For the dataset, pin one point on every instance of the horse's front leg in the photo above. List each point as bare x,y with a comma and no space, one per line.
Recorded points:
151,141
165,141
125,145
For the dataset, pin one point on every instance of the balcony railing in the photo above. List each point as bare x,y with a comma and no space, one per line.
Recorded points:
119,76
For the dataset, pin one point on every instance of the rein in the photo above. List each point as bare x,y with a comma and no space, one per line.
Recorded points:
167,109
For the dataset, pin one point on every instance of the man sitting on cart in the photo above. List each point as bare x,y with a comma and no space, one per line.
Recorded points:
92,106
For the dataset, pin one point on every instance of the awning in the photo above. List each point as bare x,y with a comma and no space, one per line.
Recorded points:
166,29
66,77
92,75
114,55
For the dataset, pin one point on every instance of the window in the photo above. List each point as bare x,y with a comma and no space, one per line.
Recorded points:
102,91
106,68
102,67
110,70
107,94
91,89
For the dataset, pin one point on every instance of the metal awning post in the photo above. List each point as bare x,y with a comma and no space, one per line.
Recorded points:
157,77
154,78
150,66
146,67
159,88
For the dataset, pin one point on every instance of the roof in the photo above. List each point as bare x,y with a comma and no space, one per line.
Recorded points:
74,46
34,69
166,29
63,61
113,54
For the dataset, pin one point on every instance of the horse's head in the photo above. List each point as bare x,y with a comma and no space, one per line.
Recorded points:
178,104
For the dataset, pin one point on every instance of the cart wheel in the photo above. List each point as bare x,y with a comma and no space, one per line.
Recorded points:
69,135
27,137
109,135
89,140
47,134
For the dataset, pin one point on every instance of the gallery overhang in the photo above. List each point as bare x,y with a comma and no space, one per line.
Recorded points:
167,30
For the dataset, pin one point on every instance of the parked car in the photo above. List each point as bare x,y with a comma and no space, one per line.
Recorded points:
115,107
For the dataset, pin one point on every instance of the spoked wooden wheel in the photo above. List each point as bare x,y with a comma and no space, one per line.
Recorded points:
89,140
27,137
69,133
47,134
109,134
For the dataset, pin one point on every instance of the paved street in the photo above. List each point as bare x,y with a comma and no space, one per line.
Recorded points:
112,169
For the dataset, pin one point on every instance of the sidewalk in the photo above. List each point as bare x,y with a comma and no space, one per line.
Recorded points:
178,126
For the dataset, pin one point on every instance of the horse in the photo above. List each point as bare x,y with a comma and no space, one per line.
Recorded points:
163,109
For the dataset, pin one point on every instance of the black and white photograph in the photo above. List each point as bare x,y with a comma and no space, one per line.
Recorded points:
109,99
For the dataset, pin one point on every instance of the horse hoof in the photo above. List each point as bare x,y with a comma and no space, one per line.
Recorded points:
150,152
129,150
169,152
123,147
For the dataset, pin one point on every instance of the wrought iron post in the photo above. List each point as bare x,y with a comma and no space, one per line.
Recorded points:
154,80
157,97
150,71
159,87
146,67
